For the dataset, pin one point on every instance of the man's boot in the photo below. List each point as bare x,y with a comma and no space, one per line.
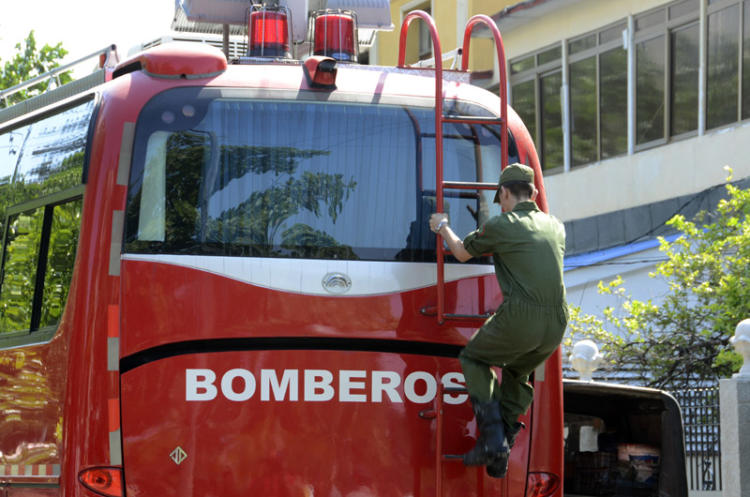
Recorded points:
499,467
491,442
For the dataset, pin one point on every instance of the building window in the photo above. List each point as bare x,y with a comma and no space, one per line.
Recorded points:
666,93
552,131
746,61
723,67
583,111
524,103
667,47
41,174
684,70
598,92
425,38
597,88
649,90
536,81
39,254
419,39
613,102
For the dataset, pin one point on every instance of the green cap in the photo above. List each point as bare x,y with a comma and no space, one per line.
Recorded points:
513,173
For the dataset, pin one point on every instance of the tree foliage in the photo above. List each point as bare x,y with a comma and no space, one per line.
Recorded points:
30,62
22,250
258,221
684,338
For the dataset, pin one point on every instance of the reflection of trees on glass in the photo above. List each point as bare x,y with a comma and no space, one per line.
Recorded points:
25,240
649,91
552,134
723,67
67,175
29,300
300,179
583,111
19,271
185,153
524,98
66,223
684,46
257,221
43,157
613,101
218,211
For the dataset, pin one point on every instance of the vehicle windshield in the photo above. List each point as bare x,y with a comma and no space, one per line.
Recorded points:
233,176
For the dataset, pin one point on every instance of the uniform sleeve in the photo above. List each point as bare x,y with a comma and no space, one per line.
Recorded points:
483,240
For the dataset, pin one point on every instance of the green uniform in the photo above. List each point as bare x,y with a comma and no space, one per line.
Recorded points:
528,247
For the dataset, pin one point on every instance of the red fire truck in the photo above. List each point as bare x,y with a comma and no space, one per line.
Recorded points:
218,278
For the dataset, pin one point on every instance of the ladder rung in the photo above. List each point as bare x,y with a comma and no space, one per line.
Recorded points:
452,457
432,311
468,185
454,390
449,194
472,119
459,317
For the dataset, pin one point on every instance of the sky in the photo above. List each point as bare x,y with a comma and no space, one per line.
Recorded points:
83,26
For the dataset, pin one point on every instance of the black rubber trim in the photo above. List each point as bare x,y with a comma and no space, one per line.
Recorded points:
131,67
146,356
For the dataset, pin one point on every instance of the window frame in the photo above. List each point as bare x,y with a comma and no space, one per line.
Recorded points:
713,8
595,51
535,73
36,333
659,22
17,338
665,28
427,6
140,144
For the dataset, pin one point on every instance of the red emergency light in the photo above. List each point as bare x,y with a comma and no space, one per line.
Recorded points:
268,33
336,35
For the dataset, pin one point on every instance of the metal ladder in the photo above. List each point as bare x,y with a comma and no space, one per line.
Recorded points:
440,184
441,458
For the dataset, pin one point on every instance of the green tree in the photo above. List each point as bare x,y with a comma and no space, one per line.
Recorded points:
685,337
30,62
197,169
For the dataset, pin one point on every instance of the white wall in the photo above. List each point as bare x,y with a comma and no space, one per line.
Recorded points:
683,167
525,33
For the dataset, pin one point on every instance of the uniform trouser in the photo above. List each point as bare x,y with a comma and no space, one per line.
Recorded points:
517,338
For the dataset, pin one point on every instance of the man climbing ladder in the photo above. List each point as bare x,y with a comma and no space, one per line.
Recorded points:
527,246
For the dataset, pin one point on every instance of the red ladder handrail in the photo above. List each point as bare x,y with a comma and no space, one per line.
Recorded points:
438,52
502,77
440,184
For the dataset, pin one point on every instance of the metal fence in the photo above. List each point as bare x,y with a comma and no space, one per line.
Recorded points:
701,419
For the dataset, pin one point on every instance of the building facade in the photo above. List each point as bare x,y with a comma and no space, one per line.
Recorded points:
636,107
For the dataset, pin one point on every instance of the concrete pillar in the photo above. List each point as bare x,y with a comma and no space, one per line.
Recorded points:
734,397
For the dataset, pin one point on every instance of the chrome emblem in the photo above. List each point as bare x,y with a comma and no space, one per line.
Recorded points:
178,455
336,283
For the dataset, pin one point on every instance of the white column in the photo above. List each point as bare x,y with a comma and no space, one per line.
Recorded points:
702,64
629,43
734,398
565,104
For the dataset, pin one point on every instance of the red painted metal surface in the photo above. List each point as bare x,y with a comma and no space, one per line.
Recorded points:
61,402
193,305
177,59
291,448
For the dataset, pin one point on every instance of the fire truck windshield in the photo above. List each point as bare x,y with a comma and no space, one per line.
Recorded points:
219,173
